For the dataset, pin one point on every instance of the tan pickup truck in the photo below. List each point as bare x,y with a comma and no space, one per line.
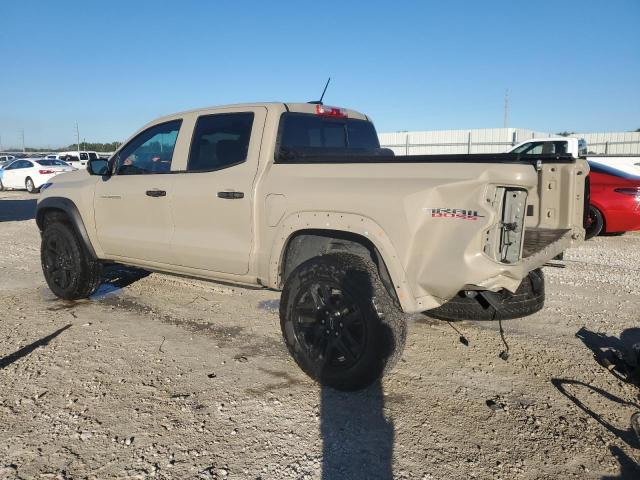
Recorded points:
301,198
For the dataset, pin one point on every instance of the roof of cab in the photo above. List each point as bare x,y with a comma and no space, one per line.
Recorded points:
283,106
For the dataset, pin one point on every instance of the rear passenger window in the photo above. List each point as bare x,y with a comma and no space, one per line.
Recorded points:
220,141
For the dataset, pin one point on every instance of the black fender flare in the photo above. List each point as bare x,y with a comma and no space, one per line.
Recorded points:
66,206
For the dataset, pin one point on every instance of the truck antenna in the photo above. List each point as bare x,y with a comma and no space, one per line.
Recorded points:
319,102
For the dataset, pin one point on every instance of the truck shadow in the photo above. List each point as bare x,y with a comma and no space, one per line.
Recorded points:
116,277
17,210
26,350
357,439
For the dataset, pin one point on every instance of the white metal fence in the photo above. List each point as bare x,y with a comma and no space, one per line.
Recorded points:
498,140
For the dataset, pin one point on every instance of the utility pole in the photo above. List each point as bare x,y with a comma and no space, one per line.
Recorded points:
506,108
24,150
78,140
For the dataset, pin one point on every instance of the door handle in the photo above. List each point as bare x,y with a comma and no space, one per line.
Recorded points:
156,193
231,195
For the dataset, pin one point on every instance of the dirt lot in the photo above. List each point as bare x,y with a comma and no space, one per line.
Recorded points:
165,377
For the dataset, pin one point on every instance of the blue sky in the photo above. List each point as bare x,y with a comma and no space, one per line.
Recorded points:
413,65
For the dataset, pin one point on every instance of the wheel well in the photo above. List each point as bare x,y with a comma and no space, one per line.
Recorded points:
306,244
64,211
48,215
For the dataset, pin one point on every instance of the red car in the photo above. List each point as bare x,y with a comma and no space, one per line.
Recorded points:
614,202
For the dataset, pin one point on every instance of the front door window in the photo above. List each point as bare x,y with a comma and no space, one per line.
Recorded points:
149,152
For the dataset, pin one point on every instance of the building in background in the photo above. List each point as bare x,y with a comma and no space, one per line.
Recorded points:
498,140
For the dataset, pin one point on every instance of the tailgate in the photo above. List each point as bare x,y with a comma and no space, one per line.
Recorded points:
557,209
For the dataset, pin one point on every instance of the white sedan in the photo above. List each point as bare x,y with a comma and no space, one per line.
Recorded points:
32,173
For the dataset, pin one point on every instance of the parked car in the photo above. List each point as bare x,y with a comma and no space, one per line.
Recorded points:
77,159
614,204
31,174
300,198
576,147
6,159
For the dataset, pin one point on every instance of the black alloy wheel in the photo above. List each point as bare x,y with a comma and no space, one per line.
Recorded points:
330,326
58,262
340,324
595,223
70,271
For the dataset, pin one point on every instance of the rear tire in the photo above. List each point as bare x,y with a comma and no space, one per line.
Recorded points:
69,270
339,323
31,187
528,299
1,186
595,223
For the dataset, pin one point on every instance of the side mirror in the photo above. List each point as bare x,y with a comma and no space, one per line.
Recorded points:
98,166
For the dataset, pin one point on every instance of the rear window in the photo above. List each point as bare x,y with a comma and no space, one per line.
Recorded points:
305,131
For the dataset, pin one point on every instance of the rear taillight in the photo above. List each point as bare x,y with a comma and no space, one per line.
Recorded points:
633,191
327,111
46,172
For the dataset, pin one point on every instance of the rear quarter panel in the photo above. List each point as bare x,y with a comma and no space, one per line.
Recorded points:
391,204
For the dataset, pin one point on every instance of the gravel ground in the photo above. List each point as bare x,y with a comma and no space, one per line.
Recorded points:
165,377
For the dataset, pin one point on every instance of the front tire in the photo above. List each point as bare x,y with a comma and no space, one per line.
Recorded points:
1,186
30,186
339,323
595,223
68,269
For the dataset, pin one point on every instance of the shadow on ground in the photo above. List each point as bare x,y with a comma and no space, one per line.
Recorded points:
17,210
357,438
621,357
629,469
24,351
116,277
